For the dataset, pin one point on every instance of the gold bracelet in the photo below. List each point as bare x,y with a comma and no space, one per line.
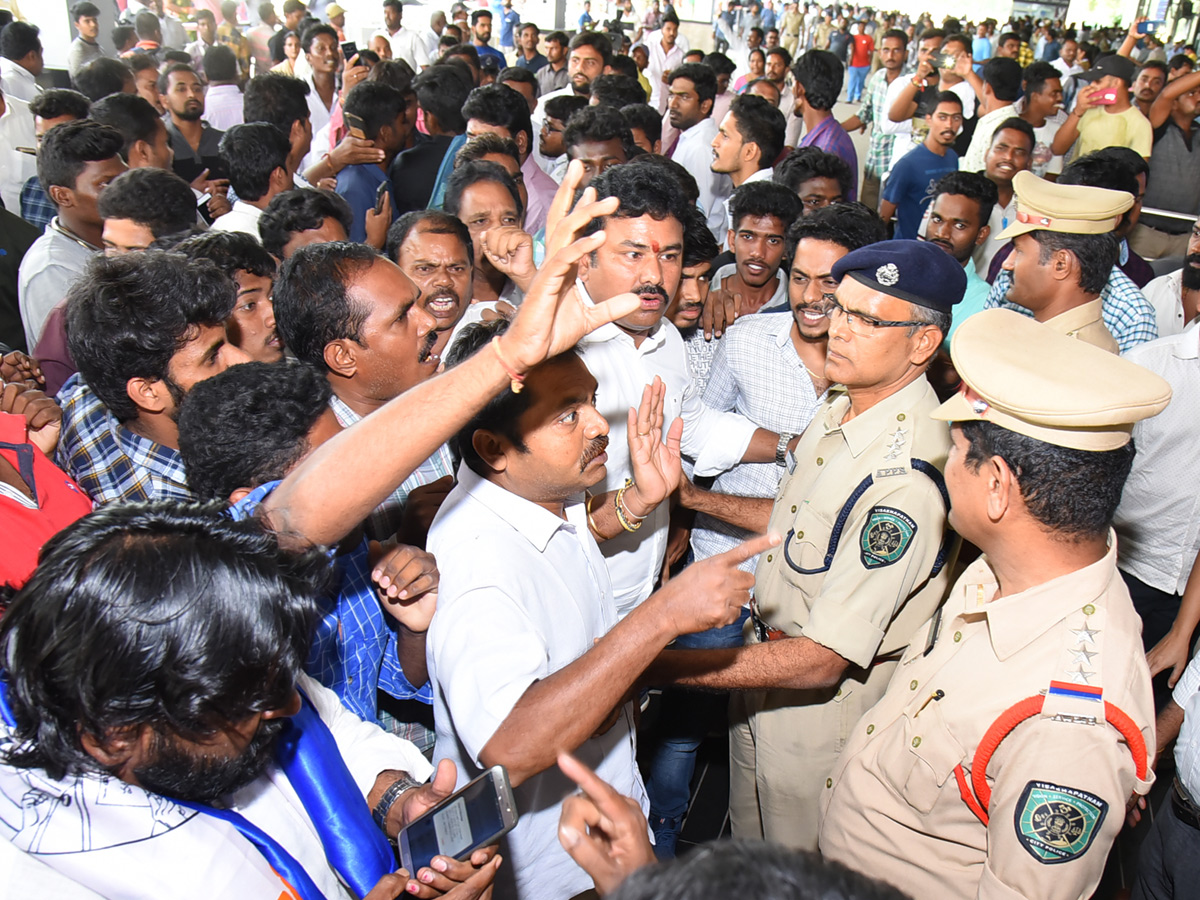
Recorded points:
625,506
588,499
618,505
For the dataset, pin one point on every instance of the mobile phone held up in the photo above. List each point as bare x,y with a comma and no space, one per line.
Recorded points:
1148,27
355,125
1106,97
380,193
945,61
479,814
349,49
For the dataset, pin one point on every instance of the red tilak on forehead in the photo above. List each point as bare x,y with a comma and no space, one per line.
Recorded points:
654,246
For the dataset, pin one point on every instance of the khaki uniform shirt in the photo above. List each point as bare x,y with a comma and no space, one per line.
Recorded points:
1087,324
1059,781
866,597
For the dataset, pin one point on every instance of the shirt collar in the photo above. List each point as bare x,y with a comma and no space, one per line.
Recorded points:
862,431
1078,316
1016,621
535,523
610,331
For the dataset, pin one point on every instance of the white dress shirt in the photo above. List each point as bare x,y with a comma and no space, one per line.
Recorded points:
523,595
661,62
1187,746
715,441
1158,520
694,153
243,217
546,163
92,835
18,81
1165,294
16,130
223,106
408,46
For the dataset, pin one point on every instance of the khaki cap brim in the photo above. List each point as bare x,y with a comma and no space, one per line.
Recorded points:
1067,208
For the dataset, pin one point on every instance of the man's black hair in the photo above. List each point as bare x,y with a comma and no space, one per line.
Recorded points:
164,78
641,191
166,615
466,51
156,198
141,62
617,91
442,92
559,37
957,37
478,14
744,868
720,63
473,172
84,8
820,73
249,425
896,34
68,148
564,105
1035,75
947,97
781,52
645,117
848,224
500,107
521,28
1015,123
18,39
484,145
703,79
433,221
597,40
130,114
122,34
1113,168
220,64
313,306
699,245
102,77
377,104
1071,493
930,33
758,122
1180,61
302,209
763,198
1006,37
1096,253
395,4
205,14
974,186
55,102
170,56
521,76
805,163
1127,157
229,251
394,73
662,167
312,32
250,153
598,123
128,315
624,65
146,25
1152,64
1003,75
670,16
277,99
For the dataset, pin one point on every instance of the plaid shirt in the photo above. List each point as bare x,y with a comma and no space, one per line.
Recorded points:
354,652
36,208
1127,314
879,151
109,461
385,521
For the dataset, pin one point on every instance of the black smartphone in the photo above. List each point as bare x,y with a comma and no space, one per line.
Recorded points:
355,125
479,814
349,49
380,193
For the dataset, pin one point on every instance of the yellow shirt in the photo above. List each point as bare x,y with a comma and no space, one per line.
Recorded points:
1099,128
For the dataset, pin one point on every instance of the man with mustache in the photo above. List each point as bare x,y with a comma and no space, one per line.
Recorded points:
910,186
1010,152
958,223
590,52
434,249
1176,296
194,142
770,369
527,653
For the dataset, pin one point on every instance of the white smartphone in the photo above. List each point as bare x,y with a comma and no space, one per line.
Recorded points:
479,814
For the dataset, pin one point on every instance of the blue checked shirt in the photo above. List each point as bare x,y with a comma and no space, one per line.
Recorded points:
109,461
1127,314
354,652
385,521
872,111
36,208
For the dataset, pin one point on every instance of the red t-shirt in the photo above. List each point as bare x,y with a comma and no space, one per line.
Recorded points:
864,46
60,501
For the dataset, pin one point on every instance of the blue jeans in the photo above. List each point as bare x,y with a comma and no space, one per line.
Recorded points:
686,717
858,78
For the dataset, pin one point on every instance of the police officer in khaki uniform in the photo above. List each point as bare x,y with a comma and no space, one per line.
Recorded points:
1019,720
864,560
1063,251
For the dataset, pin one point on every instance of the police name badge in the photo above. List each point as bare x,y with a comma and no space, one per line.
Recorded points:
1057,824
885,537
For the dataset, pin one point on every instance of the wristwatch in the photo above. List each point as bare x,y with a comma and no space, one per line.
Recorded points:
785,438
395,789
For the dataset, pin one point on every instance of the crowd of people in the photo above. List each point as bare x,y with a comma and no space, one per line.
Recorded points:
377,412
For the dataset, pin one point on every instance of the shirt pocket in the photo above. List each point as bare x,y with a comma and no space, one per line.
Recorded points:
804,551
921,764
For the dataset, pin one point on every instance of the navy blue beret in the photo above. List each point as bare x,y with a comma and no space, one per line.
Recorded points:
915,271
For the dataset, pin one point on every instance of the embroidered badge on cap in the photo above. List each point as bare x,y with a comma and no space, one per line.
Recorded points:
887,275
1057,824
885,537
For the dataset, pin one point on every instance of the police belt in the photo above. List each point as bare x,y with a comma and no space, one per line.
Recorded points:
1186,811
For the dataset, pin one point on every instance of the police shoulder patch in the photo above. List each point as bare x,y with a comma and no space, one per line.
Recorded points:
1057,824
885,536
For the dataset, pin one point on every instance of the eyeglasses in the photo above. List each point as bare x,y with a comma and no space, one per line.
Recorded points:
862,324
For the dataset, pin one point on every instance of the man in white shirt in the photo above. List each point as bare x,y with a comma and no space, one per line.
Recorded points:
406,44
256,157
1176,295
526,653
692,91
666,48
21,60
1066,59
17,129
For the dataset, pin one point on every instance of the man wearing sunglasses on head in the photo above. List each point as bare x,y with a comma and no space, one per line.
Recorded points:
866,554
